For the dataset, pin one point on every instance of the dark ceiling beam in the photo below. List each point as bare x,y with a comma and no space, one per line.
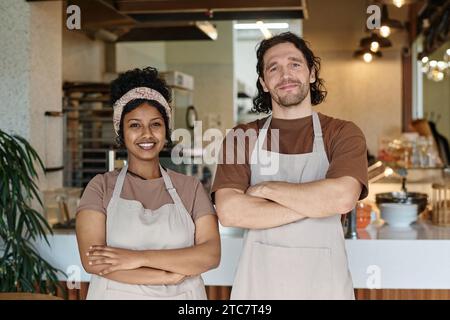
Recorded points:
101,13
190,31
136,6
218,16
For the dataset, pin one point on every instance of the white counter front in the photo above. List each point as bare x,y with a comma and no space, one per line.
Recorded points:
382,258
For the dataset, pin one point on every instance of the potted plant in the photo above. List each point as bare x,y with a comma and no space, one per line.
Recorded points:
21,267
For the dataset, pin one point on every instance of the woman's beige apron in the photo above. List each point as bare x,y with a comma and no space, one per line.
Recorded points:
129,225
305,259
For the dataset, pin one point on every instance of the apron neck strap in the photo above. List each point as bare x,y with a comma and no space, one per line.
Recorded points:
263,133
316,125
318,145
119,182
166,178
267,123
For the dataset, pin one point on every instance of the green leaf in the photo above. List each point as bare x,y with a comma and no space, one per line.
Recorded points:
21,267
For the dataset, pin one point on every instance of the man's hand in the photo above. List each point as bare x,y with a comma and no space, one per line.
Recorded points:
258,190
315,199
252,210
177,278
117,259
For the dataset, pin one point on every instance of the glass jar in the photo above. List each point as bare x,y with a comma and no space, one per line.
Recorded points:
363,215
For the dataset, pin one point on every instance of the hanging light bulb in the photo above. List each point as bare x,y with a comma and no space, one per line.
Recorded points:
441,65
398,3
366,54
435,70
375,42
374,46
433,63
425,68
367,57
388,25
435,75
385,31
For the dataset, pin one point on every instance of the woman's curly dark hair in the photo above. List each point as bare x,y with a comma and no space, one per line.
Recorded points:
263,101
147,77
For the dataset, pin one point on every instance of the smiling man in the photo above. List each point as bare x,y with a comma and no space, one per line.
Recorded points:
294,245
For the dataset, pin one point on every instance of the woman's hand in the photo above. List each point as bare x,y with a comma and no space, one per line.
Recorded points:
116,259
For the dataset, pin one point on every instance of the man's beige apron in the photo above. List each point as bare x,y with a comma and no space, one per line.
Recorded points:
131,226
305,259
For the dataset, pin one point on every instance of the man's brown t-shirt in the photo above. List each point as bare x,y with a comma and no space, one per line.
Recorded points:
344,142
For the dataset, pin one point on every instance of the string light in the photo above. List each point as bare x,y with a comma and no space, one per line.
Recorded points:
435,70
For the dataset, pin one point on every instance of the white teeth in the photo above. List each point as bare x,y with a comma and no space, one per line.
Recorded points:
146,145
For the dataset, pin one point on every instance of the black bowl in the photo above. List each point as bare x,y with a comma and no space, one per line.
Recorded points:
421,199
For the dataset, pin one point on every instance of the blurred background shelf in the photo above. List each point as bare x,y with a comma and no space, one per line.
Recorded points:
89,131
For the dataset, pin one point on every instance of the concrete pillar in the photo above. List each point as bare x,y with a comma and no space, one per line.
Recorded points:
31,78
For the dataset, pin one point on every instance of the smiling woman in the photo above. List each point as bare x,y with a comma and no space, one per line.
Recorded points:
145,232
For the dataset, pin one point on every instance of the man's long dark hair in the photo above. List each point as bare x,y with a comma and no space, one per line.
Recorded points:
263,102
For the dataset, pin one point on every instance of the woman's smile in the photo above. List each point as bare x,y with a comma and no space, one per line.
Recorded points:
146,145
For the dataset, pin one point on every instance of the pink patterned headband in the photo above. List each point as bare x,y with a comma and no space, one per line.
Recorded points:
137,93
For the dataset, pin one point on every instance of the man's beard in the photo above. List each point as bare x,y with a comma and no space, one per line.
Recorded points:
293,99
